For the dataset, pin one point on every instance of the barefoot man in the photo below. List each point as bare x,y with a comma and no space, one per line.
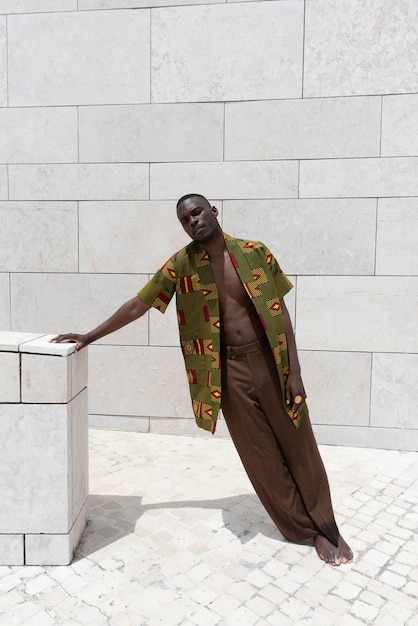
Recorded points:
240,355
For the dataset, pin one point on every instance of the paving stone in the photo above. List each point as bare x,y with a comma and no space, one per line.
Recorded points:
258,578
350,620
335,604
347,591
377,558
399,613
322,616
295,609
225,605
278,618
383,620
364,611
242,616
392,579
273,593
400,568
399,597
260,606
242,590
411,589
372,599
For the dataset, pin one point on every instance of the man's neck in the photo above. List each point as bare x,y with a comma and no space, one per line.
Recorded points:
216,246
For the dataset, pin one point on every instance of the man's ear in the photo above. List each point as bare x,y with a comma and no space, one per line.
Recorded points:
214,211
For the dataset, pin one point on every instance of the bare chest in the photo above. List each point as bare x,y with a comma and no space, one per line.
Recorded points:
227,281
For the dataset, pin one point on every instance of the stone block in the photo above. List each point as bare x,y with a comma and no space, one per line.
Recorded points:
35,469
10,341
4,300
9,377
338,386
367,437
79,372
397,234
40,226
140,226
333,237
101,295
45,379
369,47
12,549
38,135
226,180
400,125
179,426
141,133
359,178
358,314
3,62
54,549
44,467
49,378
138,381
393,398
53,57
4,186
42,345
186,426
48,549
303,129
88,5
120,422
105,181
78,452
37,6
271,67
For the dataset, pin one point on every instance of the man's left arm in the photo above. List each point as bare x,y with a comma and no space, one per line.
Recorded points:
294,384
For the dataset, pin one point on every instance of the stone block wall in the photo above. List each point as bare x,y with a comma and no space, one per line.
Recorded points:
297,118
44,466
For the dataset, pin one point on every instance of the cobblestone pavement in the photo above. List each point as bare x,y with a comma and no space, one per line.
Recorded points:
177,537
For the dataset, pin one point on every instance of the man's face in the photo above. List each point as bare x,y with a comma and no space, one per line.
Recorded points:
198,219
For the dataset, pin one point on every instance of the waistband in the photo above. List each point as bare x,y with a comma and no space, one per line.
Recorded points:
233,352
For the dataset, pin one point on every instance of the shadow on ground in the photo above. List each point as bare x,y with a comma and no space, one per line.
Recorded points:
112,517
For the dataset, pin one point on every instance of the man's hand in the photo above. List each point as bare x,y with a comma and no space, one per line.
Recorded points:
295,388
81,341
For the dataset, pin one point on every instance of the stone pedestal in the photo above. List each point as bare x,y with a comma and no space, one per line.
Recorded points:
44,457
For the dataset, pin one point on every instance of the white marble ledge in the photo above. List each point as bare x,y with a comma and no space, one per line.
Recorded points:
11,342
42,345
33,344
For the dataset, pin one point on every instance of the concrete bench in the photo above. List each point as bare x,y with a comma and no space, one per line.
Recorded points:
44,451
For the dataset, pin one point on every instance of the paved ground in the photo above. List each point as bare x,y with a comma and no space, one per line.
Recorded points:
177,537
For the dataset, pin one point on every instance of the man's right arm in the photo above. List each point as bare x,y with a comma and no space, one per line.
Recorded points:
132,310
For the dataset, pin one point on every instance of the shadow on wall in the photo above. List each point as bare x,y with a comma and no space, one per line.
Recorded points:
113,517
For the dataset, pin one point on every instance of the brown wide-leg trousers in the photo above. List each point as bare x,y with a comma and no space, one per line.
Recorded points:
282,462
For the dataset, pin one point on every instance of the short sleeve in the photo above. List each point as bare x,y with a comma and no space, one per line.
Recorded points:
281,281
160,288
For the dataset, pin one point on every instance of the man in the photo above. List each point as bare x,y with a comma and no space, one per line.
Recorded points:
240,355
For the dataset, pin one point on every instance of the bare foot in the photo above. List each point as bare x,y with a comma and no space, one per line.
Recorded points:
345,552
333,555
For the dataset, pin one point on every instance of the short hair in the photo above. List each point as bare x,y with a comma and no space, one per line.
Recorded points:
191,195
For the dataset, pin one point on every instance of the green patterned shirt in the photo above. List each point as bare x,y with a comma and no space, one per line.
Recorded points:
188,273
